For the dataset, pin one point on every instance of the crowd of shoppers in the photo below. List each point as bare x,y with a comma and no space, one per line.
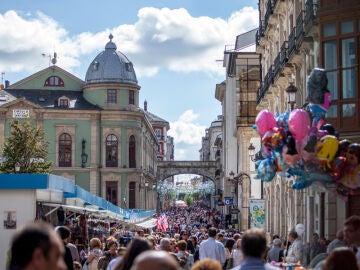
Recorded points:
194,240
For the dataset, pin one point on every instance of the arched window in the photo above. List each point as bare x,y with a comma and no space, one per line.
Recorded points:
111,151
54,81
65,150
132,152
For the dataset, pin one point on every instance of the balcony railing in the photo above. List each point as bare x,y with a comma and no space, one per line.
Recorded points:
299,29
291,43
284,53
277,65
268,80
268,13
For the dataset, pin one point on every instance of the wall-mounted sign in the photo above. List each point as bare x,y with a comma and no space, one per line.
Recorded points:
9,219
229,201
19,113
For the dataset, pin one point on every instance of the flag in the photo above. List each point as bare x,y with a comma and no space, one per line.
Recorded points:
162,222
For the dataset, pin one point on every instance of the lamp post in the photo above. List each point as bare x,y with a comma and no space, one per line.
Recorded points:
84,156
237,180
291,91
254,158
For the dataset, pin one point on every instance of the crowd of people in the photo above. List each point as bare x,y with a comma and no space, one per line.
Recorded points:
194,239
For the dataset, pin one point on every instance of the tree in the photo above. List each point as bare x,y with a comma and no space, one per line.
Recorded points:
26,147
189,199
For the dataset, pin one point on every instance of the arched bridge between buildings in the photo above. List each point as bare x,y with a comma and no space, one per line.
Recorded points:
167,169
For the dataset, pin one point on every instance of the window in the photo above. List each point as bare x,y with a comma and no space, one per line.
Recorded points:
112,191
63,103
132,189
132,152
340,52
131,97
158,133
111,151
65,144
111,96
54,81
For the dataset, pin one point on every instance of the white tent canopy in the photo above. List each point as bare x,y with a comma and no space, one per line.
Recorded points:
147,224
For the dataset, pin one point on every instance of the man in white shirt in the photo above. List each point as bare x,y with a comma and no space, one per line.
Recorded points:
212,248
295,253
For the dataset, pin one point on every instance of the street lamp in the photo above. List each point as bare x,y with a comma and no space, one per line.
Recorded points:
254,158
291,91
84,156
238,180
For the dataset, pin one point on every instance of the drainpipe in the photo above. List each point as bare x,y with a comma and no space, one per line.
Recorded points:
100,157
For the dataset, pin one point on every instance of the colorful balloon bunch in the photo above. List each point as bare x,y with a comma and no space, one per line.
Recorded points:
300,144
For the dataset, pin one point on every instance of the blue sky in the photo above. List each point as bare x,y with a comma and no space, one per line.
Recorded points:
173,44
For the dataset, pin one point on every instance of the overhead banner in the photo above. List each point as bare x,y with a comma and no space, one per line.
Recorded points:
257,213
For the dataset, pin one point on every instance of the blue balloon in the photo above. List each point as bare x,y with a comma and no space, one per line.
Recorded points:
266,169
282,120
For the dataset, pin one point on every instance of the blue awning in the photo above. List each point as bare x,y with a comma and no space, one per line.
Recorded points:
69,190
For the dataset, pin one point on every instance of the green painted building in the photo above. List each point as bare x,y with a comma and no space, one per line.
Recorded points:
98,134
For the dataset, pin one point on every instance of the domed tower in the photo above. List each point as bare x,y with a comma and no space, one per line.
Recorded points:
110,80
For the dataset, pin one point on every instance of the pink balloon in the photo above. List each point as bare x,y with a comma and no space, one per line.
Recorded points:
299,124
265,121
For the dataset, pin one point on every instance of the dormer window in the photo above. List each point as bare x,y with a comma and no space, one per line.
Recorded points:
95,65
128,67
63,102
54,81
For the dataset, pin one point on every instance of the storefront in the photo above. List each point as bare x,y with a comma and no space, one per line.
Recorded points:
28,197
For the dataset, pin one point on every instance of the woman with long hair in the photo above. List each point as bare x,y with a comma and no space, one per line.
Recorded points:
137,246
341,258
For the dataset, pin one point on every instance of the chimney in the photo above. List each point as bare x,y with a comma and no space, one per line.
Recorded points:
145,106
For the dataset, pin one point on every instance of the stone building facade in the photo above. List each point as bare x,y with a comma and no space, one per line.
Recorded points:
98,134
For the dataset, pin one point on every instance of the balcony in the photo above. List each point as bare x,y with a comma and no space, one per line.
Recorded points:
217,155
268,81
281,59
310,15
299,30
291,43
268,13
278,5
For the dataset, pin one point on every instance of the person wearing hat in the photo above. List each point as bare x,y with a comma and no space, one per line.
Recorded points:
64,233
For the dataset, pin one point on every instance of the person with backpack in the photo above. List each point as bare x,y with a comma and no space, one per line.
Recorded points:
186,259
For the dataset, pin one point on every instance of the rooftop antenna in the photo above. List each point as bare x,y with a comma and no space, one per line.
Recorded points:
53,60
47,55
2,77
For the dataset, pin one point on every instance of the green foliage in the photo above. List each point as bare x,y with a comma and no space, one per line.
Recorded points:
26,146
188,199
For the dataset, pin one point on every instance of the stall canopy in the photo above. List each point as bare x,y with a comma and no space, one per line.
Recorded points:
62,191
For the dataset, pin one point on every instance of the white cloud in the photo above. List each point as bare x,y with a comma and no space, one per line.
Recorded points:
185,130
187,136
160,39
